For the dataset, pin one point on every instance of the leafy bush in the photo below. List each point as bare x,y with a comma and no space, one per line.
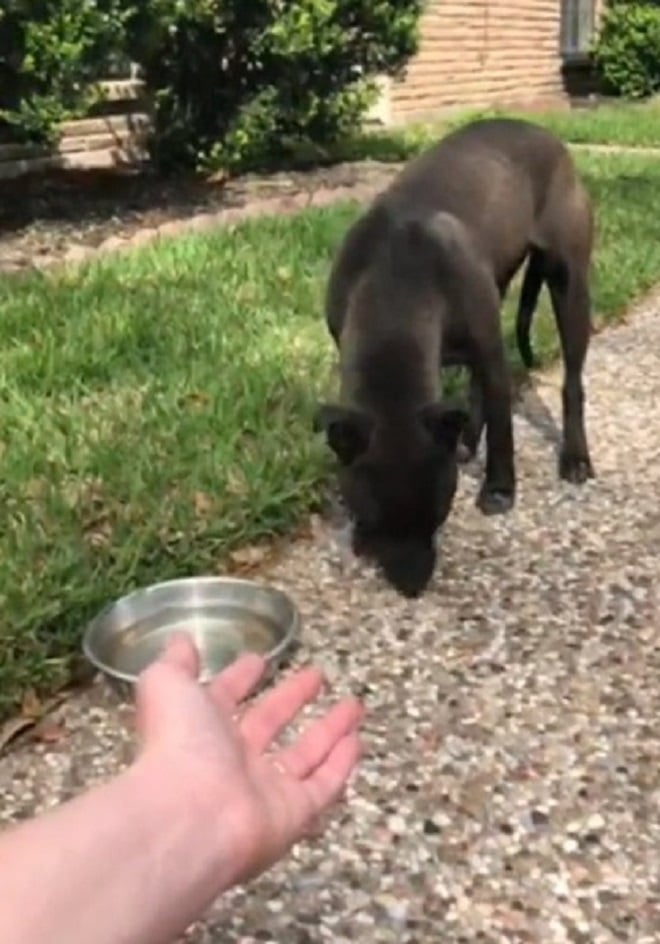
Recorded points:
242,85
627,50
233,84
50,51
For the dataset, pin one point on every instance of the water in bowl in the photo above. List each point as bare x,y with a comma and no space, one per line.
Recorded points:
220,633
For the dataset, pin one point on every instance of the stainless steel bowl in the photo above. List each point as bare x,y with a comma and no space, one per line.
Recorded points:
225,616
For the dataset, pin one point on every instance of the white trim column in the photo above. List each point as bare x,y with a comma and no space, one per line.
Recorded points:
381,111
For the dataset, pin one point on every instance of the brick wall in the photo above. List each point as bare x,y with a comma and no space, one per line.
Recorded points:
479,52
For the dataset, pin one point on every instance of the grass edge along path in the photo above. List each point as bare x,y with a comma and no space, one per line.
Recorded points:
157,406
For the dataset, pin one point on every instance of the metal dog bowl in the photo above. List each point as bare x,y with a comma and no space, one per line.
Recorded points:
225,617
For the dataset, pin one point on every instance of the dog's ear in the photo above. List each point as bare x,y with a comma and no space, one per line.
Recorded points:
444,422
347,430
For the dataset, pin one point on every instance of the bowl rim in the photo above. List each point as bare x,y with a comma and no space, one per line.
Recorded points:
101,666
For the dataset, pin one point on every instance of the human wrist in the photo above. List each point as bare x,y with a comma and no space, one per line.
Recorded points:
146,856
189,806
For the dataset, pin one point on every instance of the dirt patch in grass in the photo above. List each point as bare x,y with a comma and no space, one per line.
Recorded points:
44,217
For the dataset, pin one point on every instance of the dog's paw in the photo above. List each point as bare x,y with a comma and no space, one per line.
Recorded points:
575,469
495,502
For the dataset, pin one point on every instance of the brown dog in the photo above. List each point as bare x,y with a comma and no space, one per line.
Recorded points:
417,284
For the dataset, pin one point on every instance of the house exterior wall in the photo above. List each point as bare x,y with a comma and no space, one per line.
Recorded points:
480,52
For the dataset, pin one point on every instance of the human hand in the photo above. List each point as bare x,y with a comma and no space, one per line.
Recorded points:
262,801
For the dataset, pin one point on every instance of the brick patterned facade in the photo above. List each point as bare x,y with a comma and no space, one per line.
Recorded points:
475,53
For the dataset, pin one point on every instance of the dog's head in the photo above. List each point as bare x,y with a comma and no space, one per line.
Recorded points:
398,483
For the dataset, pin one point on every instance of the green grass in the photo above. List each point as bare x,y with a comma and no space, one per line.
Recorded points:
156,407
625,124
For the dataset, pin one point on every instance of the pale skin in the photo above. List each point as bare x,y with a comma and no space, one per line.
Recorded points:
210,802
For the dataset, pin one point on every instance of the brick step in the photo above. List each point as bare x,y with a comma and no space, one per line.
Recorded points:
87,143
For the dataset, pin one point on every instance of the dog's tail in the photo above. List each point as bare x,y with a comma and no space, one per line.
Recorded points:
529,296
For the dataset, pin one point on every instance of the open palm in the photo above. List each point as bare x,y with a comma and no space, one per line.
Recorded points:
265,799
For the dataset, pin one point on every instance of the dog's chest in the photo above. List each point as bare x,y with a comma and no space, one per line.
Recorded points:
457,346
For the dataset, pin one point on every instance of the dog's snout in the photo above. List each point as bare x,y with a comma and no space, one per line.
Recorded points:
408,566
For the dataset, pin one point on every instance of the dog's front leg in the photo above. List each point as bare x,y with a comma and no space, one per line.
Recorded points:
469,443
497,493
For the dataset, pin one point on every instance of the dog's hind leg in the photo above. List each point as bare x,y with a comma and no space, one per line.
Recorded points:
569,290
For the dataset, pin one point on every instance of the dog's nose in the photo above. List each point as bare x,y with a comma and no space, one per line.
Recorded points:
408,567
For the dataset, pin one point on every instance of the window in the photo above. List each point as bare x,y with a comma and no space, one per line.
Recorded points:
576,27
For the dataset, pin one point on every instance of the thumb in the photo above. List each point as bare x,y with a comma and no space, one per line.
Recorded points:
181,653
178,663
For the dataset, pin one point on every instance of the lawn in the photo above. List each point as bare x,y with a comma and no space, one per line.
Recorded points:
156,407
624,124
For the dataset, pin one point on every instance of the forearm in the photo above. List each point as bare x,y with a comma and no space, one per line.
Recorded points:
126,863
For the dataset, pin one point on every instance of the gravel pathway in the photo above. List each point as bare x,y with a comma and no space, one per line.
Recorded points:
511,789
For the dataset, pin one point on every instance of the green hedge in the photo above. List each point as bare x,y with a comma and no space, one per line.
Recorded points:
627,51
232,84
51,51
238,85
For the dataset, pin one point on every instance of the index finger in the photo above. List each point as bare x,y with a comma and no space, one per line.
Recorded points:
235,683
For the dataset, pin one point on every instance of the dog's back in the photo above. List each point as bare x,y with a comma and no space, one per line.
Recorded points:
510,183
497,176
